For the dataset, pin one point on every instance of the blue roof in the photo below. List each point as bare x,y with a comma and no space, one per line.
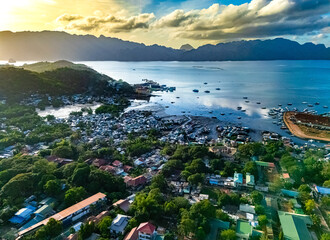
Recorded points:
290,193
17,220
33,221
323,190
238,177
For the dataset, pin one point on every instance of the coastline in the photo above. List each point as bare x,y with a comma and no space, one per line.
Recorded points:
295,130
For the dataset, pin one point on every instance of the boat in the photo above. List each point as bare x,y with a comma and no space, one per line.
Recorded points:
304,102
196,90
279,105
218,89
177,97
207,91
222,114
247,101
214,117
325,106
210,111
172,102
166,106
289,104
243,110
205,83
263,108
238,117
310,105
245,97
239,108
317,103
11,60
258,102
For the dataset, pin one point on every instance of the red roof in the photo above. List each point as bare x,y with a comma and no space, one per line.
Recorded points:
127,168
108,168
132,235
147,228
98,162
286,175
117,163
136,181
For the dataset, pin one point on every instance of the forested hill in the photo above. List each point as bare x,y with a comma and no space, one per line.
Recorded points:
17,82
50,45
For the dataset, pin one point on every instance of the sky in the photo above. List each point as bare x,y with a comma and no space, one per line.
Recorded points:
175,22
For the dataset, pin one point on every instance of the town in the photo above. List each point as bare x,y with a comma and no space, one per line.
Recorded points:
116,174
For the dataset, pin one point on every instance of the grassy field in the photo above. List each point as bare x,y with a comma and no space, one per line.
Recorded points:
314,132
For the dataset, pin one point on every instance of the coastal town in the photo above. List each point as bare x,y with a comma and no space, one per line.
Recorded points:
110,167
168,167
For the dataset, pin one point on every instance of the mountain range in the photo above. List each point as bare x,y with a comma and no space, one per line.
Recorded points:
52,45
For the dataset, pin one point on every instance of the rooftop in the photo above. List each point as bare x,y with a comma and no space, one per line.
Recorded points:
294,226
66,212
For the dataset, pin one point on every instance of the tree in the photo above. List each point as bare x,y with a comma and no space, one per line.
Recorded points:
251,167
262,219
104,225
316,220
86,230
53,187
325,236
228,235
196,179
53,227
80,175
310,206
222,215
159,181
200,234
19,186
260,209
74,195
257,197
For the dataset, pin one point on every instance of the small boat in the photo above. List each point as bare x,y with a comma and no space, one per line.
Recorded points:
243,110
218,89
205,83
207,91
310,105
263,108
304,102
172,102
239,108
258,102
210,111
133,69
325,106
222,114
289,104
196,90
230,113
317,103
214,117
177,97
238,117
166,106
245,97
247,101
183,112
279,105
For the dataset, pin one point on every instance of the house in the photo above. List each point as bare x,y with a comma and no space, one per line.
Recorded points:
119,224
109,168
98,162
238,179
250,180
48,201
145,231
22,215
322,190
117,164
294,226
44,211
123,204
289,193
127,168
70,214
59,161
135,182
247,208
243,230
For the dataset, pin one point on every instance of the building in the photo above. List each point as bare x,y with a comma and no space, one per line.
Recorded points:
145,231
123,204
22,215
238,179
119,224
243,230
70,214
135,182
250,180
294,226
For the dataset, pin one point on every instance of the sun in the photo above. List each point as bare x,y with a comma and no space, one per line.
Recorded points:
9,9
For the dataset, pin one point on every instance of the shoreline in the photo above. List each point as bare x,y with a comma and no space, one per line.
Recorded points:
296,131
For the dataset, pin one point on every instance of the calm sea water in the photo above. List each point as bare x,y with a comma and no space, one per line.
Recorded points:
269,82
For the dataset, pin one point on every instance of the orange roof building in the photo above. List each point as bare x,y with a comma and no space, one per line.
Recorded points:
69,214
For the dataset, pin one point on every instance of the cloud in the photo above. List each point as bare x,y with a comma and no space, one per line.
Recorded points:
109,23
259,18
